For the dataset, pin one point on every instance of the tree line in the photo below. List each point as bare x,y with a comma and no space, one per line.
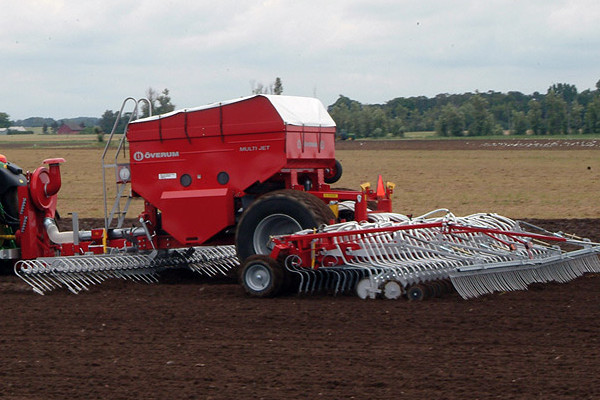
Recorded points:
562,110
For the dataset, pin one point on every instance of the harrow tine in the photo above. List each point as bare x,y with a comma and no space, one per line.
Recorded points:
295,273
320,284
311,275
77,273
487,279
24,269
348,281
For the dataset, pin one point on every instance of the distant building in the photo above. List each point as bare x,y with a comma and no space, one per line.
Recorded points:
69,129
5,131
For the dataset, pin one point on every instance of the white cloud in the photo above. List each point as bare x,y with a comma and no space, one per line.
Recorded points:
69,58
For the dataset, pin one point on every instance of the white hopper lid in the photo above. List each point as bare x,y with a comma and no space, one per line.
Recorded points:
294,110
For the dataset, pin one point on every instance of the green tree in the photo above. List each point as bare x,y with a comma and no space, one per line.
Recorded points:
4,120
556,113
592,117
565,91
377,132
346,114
99,134
161,103
577,114
519,123
107,121
481,121
451,121
277,86
561,110
534,117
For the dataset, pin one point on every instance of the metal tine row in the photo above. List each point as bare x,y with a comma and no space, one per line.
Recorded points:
486,281
411,265
212,261
78,272
416,256
407,256
335,280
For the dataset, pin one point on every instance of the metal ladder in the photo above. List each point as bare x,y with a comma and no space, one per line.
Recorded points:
122,170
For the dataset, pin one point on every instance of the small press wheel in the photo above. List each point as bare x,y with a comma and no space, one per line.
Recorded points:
261,276
392,290
364,289
416,293
332,175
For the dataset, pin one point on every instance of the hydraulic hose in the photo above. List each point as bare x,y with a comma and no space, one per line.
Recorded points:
58,237
55,235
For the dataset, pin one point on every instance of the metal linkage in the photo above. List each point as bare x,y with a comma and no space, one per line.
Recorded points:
77,273
388,256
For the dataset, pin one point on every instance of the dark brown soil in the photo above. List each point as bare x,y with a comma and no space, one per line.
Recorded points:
193,338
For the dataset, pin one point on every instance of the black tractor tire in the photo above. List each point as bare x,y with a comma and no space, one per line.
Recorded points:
332,175
7,267
278,213
10,206
261,276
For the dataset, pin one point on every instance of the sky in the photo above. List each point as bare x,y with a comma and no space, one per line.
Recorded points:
70,58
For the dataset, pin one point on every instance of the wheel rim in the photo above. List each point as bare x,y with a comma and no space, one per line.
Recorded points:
258,277
362,288
392,290
275,224
416,293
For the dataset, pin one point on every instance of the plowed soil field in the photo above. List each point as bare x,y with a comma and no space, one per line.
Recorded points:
194,338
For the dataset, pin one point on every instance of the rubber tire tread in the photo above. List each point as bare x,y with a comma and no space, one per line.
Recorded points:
337,173
11,207
277,276
317,213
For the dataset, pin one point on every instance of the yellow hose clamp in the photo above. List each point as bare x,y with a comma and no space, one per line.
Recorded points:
104,240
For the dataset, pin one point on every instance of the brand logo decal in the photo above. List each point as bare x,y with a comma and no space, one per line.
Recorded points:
139,156
310,144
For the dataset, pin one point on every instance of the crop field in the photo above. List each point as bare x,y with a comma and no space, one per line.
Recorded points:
192,337
519,183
